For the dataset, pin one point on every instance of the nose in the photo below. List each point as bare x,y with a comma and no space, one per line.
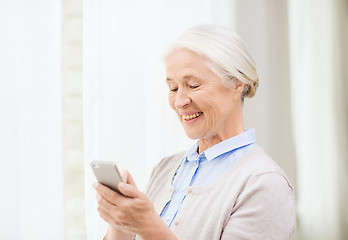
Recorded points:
182,99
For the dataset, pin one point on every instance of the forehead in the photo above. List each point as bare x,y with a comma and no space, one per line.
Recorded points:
183,57
182,53
183,62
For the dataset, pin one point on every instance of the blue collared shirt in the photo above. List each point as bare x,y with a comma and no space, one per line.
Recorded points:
200,169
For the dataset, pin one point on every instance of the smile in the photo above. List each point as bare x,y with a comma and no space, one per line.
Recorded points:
191,116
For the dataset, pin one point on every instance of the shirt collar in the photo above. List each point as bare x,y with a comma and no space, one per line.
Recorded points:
245,138
192,154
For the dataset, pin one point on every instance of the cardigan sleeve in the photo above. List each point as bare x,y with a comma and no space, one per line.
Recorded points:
265,209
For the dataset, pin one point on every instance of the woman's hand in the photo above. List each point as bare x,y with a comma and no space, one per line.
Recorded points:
133,213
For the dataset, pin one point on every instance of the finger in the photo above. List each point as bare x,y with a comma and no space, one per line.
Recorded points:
124,173
103,203
106,210
109,212
104,214
128,190
127,177
111,219
110,195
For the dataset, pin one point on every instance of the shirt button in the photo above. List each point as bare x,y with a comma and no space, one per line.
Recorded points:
189,191
176,223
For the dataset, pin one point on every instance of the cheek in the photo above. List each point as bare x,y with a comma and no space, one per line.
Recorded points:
171,100
210,111
211,118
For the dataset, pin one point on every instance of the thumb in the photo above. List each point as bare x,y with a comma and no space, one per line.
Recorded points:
127,177
128,190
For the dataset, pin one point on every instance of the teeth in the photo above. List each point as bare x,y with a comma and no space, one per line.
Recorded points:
191,116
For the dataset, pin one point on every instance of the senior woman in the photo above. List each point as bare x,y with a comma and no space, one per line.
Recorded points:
223,187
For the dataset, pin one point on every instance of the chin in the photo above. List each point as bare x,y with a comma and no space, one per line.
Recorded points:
192,135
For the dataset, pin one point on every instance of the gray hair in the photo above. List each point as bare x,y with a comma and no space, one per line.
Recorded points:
225,52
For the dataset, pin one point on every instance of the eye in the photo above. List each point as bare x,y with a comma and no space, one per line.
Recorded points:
172,87
194,86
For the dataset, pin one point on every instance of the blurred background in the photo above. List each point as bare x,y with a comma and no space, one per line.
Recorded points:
84,80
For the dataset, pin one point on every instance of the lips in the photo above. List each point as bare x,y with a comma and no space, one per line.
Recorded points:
188,117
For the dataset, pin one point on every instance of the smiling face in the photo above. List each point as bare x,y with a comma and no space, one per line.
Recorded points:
207,109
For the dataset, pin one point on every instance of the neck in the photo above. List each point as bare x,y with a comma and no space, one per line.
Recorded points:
206,143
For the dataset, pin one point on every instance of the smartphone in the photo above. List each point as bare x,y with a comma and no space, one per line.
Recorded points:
106,173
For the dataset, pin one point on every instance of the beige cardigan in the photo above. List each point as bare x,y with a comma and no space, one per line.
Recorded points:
253,199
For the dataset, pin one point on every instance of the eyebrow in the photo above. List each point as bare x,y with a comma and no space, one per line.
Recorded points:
186,77
190,76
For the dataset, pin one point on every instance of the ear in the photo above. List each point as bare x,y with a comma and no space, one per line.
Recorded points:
238,86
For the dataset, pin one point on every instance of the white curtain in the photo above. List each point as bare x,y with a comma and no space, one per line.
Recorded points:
318,34
31,199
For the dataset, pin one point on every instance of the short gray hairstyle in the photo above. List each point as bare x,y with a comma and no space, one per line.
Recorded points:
226,53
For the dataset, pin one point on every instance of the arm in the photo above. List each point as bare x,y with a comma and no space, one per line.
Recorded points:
264,210
130,214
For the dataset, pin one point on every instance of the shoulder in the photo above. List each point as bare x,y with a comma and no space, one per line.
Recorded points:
260,177
267,192
257,164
